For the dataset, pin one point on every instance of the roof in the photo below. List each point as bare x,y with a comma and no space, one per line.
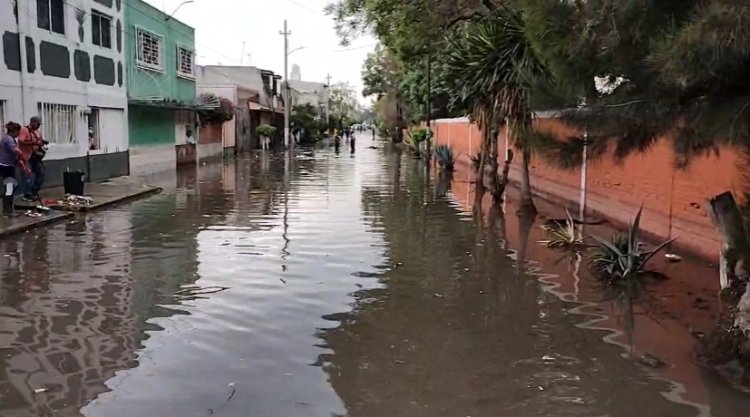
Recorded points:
244,77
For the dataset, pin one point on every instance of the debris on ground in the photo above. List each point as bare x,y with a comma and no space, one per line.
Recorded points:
194,292
71,200
40,390
671,257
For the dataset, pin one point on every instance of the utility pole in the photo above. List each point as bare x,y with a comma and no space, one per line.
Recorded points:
428,111
287,109
328,96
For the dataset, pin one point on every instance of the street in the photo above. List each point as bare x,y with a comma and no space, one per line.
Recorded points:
331,285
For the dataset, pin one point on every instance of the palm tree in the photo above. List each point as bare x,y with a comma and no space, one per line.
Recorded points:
493,67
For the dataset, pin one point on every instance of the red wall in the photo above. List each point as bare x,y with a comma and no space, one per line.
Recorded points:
674,200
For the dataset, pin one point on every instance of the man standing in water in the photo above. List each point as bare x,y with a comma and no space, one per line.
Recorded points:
33,148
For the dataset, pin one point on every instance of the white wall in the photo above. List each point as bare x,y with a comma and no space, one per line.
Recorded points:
149,160
23,101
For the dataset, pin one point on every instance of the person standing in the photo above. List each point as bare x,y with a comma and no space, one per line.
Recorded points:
33,148
10,158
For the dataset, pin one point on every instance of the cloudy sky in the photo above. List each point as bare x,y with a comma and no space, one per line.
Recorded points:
222,26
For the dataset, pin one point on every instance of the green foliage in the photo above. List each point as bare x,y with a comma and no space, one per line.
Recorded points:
223,113
563,236
342,101
305,119
621,258
414,139
445,157
266,130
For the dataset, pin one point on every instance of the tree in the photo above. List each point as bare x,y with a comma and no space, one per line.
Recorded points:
380,74
494,67
409,31
305,120
342,103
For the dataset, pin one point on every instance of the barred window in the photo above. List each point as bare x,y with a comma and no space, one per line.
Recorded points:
58,123
185,66
149,49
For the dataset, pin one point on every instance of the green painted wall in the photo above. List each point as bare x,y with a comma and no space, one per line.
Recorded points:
150,126
153,126
165,84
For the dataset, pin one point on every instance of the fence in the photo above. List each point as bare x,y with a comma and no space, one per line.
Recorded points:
674,199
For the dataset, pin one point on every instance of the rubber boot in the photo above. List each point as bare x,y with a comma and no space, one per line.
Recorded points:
9,185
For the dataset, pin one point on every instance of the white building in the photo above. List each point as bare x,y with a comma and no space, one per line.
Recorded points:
312,93
63,60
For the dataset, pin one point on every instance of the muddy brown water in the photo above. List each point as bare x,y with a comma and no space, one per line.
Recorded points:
355,288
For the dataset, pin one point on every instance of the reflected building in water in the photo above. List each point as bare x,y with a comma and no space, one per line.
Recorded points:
66,313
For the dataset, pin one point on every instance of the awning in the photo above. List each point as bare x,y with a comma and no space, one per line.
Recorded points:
256,106
169,105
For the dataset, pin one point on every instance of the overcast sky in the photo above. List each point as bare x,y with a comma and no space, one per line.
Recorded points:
221,27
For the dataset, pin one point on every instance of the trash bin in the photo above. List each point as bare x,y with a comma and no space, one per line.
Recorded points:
73,182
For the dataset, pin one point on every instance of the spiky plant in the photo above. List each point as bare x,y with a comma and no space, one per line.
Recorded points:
621,257
563,236
445,157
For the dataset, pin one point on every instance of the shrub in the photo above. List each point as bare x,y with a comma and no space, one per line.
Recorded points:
266,130
621,258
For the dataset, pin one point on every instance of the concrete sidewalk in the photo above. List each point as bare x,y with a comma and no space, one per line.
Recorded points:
103,194
24,222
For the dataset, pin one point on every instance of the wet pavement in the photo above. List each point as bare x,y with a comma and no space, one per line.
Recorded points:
335,285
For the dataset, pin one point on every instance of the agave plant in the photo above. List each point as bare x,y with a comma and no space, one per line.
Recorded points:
621,258
445,157
563,235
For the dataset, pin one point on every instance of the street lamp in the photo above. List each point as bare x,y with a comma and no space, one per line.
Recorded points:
178,8
287,100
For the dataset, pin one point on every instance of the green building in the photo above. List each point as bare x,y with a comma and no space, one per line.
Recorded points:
161,89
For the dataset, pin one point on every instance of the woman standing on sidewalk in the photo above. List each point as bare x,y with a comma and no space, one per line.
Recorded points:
10,158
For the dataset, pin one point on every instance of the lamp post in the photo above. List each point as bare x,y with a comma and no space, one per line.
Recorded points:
178,8
287,95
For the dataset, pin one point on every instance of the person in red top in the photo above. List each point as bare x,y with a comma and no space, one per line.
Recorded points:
32,146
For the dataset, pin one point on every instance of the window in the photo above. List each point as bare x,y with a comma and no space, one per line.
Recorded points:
50,15
101,29
185,62
94,130
149,49
58,122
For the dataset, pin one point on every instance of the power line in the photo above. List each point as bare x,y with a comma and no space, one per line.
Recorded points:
305,7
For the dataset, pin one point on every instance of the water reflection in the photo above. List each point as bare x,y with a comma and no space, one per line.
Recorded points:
354,288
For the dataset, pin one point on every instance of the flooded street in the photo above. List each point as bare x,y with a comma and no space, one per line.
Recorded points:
334,285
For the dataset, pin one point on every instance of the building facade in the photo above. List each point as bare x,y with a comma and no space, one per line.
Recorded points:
161,87
257,96
63,60
303,93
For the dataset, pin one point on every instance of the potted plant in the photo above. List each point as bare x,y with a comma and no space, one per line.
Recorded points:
266,132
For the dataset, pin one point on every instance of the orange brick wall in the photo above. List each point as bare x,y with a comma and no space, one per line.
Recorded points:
674,200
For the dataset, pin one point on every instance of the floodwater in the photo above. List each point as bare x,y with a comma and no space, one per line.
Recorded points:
335,285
